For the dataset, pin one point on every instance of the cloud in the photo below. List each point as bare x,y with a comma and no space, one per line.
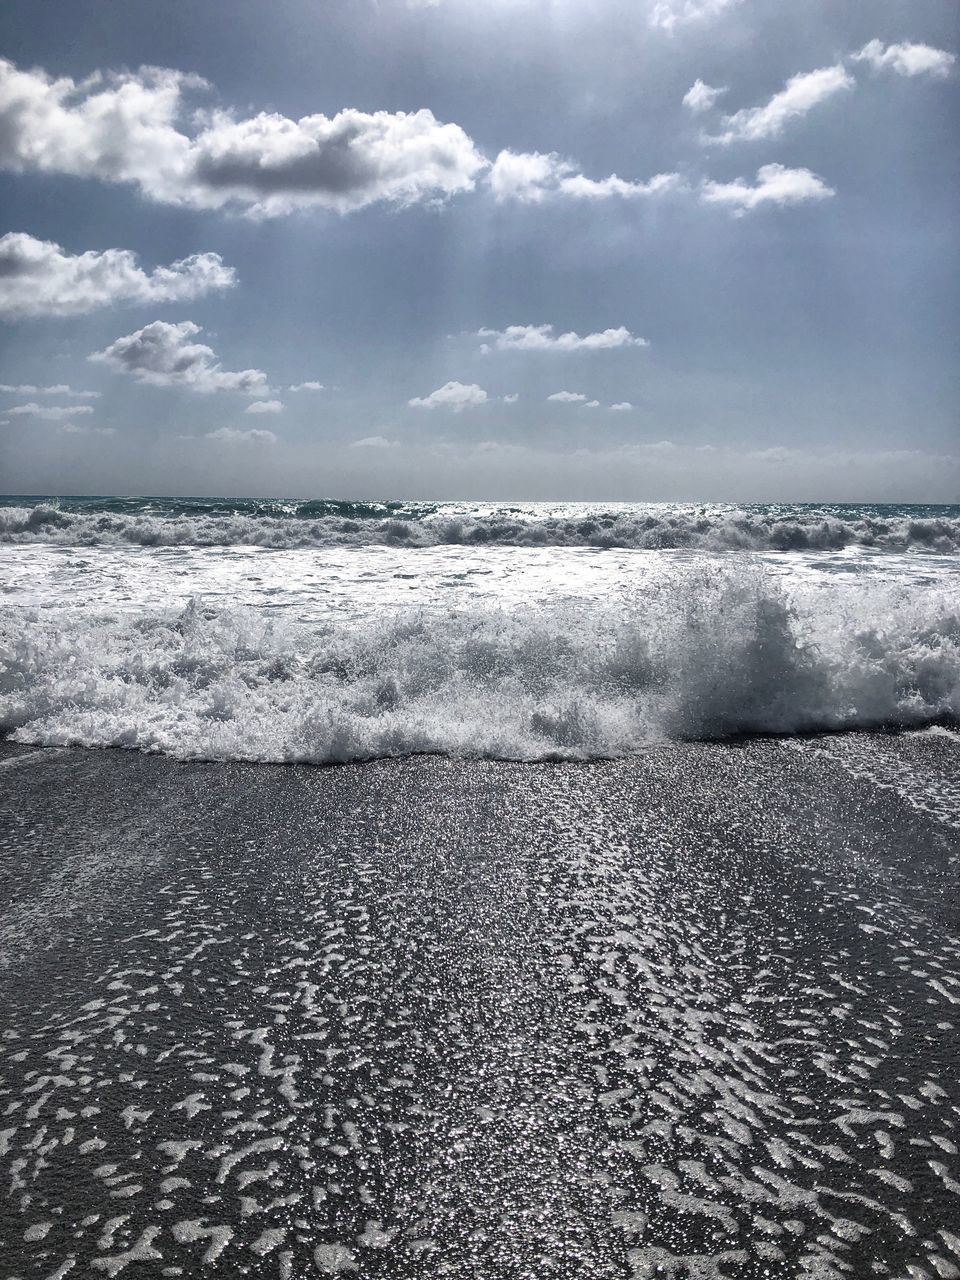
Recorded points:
58,389
701,97
568,397
592,404
774,184
667,15
134,127
452,395
49,412
799,95
622,406
374,442
906,59
265,406
233,435
39,278
510,399
540,337
72,429
306,386
162,355
531,177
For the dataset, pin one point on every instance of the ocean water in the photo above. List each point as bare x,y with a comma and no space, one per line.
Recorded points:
330,631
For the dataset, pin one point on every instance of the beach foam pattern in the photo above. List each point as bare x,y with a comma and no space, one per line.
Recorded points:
575,1023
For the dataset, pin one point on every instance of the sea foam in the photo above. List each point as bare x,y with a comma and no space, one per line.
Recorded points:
712,653
327,524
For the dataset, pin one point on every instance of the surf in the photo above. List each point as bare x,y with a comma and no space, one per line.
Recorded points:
707,654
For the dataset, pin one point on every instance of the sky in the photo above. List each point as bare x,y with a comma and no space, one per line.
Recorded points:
504,249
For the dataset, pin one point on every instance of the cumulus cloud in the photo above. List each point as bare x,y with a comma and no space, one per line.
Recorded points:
265,406
72,429
374,442
162,355
568,397
531,177
799,96
135,127
233,435
456,396
57,389
511,399
306,386
40,278
592,404
667,15
774,184
906,59
49,412
701,97
622,406
541,337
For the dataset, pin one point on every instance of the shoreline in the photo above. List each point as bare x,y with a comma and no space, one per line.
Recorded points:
447,1017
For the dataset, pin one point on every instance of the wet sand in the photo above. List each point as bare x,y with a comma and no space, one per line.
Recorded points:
690,1014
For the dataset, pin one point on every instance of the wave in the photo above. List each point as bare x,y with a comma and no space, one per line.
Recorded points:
709,655
278,525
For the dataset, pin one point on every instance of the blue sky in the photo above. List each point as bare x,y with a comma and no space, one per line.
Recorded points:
666,249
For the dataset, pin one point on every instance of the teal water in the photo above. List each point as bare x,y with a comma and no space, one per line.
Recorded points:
305,508
329,522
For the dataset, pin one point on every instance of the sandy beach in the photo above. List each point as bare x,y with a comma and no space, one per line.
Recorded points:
691,1013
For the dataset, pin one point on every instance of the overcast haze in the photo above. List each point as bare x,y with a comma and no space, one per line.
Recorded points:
668,249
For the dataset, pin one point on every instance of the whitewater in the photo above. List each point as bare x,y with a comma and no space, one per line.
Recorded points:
330,631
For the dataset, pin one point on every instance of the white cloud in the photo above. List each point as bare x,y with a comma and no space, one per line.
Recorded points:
306,386
701,97
774,184
532,177
799,95
162,355
374,442
58,389
134,127
265,406
84,430
622,406
452,395
568,397
540,337
39,278
511,399
906,59
667,15
232,435
49,412
592,404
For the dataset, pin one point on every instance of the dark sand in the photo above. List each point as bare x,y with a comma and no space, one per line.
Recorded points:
690,1014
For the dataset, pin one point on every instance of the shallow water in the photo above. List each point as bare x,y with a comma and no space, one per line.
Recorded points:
334,631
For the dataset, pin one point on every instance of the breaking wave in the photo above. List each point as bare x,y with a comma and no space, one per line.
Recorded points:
708,655
337,524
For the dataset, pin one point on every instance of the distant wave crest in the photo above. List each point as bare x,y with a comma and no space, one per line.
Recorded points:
340,524
712,654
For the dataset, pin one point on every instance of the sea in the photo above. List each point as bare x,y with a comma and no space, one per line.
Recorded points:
620,941
321,631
